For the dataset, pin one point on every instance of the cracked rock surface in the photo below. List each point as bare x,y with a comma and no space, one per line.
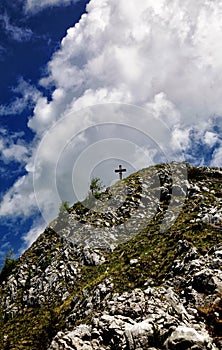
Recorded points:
162,317
113,277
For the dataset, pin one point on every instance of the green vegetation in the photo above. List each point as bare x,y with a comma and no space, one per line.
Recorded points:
96,186
155,252
9,264
64,208
62,216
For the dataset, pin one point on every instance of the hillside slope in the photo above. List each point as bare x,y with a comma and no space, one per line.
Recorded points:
140,267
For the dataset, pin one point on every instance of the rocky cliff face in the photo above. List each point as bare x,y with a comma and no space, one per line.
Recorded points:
114,279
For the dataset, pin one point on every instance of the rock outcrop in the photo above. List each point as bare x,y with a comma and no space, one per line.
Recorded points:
144,288
161,317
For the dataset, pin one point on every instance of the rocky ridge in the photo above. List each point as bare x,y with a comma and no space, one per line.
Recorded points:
152,290
156,317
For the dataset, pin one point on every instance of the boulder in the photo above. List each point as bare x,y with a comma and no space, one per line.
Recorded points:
203,282
186,338
139,334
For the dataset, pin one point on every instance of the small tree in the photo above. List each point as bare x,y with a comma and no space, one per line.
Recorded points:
96,186
64,208
63,215
9,264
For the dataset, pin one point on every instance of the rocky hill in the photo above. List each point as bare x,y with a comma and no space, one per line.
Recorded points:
139,267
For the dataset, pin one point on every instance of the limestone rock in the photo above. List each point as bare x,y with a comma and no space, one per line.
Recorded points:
186,338
66,284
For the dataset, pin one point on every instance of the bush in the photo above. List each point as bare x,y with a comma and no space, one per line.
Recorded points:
9,264
96,186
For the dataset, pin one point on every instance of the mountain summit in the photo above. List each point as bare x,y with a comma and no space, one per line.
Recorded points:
137,267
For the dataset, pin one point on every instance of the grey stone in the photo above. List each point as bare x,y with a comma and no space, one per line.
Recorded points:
186,338
204,282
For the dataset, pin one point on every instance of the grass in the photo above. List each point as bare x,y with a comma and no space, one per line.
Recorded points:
155,251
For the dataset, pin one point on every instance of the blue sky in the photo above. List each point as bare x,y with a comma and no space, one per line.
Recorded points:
86,85
27,41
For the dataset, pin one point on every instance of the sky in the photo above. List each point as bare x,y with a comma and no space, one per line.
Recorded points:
88,85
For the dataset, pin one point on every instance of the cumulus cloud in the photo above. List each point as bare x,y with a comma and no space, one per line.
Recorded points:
136,52
164,56
20,199
15,32
38,5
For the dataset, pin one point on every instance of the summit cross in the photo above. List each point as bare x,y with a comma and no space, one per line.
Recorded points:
120,171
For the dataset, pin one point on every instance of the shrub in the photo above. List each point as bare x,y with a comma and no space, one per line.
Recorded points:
8,266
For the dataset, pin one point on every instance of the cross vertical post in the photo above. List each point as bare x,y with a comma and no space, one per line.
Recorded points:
120,171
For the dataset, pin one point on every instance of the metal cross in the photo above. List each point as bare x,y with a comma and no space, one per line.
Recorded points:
120,171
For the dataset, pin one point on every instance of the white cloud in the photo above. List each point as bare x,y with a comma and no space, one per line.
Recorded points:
15,32
29,95
38,5
210,138
13,148
180,139
17,152
37,228
162,55
217,157
20,199
73,138
133,53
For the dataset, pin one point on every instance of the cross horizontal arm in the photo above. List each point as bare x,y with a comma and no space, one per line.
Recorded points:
120,170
